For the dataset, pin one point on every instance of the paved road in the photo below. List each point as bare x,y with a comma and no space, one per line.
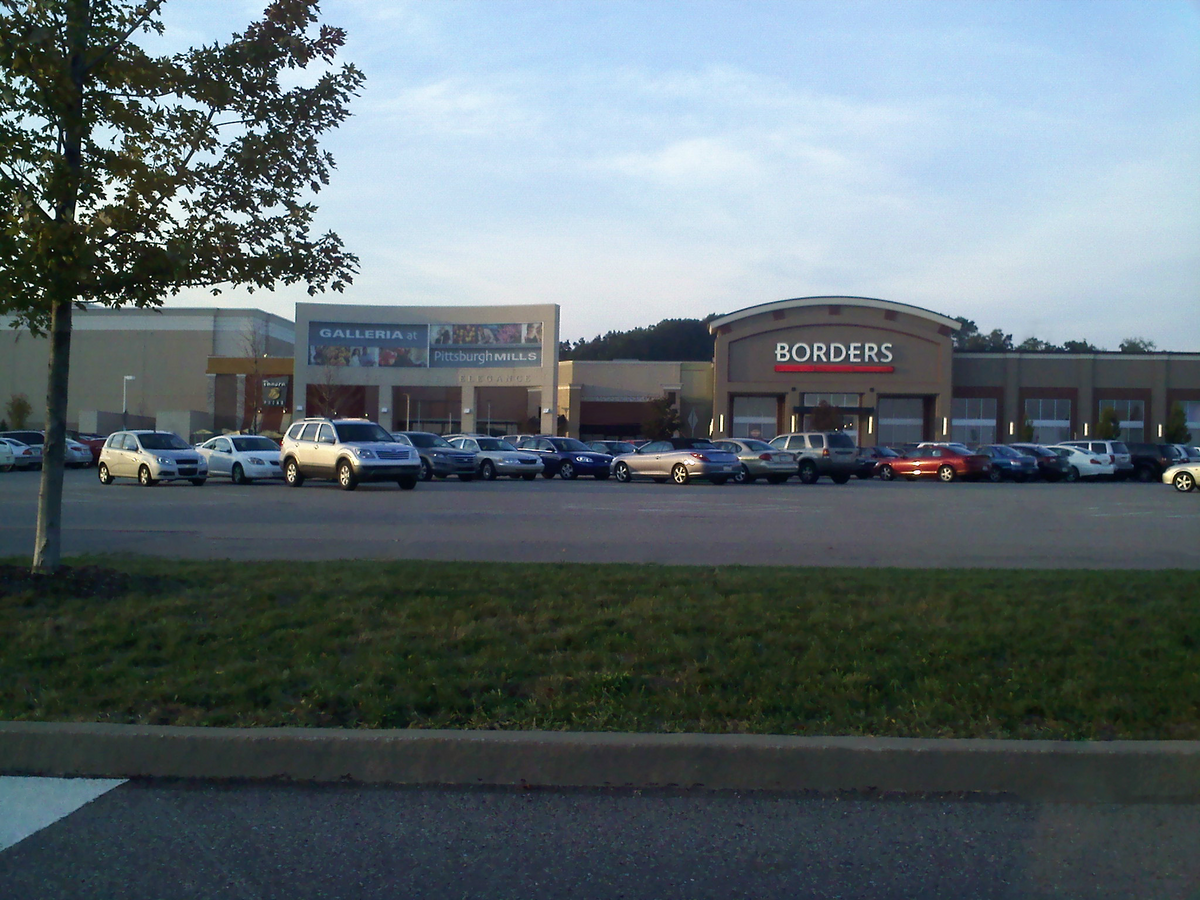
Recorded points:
197,840
859,524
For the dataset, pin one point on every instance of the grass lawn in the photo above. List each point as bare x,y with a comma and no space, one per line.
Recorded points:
914,653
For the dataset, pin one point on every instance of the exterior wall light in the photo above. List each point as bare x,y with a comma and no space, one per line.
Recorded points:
1012,429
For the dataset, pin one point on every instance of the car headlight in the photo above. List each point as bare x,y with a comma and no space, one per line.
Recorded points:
364,453
165,461
255,461
582,459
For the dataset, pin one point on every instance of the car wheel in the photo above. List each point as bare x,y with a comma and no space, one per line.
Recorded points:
198,482
743,476
104,474
466,477
887,473
144,478
679,473
1145,474
548,473
840,479
778,479
622,474
345,476
946,474
808,473
1072,474
426,473
487,470
1184,481
719,479
292,474
566,471
408,482
238,475
994,475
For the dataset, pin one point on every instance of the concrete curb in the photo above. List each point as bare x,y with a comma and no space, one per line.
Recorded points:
1109,772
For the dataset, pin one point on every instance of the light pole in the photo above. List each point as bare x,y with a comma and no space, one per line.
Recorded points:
489,425
125,400
407,413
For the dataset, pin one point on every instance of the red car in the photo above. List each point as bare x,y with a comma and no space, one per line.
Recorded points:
944,463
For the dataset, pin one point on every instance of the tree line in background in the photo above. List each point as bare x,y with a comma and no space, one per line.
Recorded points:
689,340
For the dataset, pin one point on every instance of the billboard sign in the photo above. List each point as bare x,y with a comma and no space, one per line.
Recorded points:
507,345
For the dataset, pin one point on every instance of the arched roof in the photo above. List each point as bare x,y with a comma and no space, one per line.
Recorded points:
800,302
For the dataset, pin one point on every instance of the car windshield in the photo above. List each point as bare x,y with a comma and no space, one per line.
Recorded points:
701,445
843,441
361,432
619,447
427,441
757,446
162,440
569,444
1006,451
494,444
254,443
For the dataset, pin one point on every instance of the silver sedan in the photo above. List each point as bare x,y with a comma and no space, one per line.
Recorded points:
679,459
494,456
760,460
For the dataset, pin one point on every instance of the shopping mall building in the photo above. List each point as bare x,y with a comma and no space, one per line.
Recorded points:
890,368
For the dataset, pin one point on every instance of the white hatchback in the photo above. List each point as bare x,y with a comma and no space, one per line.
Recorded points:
242,458
150,457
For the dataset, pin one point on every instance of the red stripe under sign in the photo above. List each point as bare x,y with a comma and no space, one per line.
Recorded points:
807,367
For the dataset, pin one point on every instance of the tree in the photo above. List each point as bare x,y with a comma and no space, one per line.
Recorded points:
1027,430
968,338
1137,345
1037,345
662,421
127,176
825,417
18,409
254,345
1176,431
1079,347
670,339
1109,426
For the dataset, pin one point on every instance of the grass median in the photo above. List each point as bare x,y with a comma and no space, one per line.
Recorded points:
364,644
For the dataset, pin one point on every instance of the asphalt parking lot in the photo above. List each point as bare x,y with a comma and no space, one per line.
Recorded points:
863,523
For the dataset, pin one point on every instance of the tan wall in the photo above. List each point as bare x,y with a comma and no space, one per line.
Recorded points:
746,357
635,383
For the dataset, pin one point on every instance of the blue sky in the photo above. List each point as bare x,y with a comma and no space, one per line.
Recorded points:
1034,166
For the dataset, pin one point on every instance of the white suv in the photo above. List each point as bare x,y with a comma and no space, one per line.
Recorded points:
348,451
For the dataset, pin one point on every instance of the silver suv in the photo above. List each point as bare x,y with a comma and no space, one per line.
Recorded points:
348,451
820,453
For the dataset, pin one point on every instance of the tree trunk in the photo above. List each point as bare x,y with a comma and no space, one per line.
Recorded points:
48,543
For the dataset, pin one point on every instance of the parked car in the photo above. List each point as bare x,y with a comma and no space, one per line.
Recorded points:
759,460
1051,466
494,456
438,457
820,453
25,456
567,457
1190,454
8,459
1083,463
1151,460
76,455
242,458
1182,476
348,451
150,457
30,438
870,459
1117,452
936,461
94,442
1009,462
612,448
680,459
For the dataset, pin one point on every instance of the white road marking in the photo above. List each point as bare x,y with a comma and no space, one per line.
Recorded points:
27,805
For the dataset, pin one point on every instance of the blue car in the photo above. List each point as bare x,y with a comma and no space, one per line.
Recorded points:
1010,463
566,457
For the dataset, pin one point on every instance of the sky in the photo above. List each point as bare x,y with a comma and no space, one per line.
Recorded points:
1033,166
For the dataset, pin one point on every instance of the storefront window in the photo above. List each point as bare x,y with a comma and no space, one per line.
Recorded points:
755,417
901,420
1131,418
840,401
973,420
1051,420
1191,412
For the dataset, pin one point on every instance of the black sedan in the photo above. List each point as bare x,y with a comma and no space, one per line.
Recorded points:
566,457
1050,466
